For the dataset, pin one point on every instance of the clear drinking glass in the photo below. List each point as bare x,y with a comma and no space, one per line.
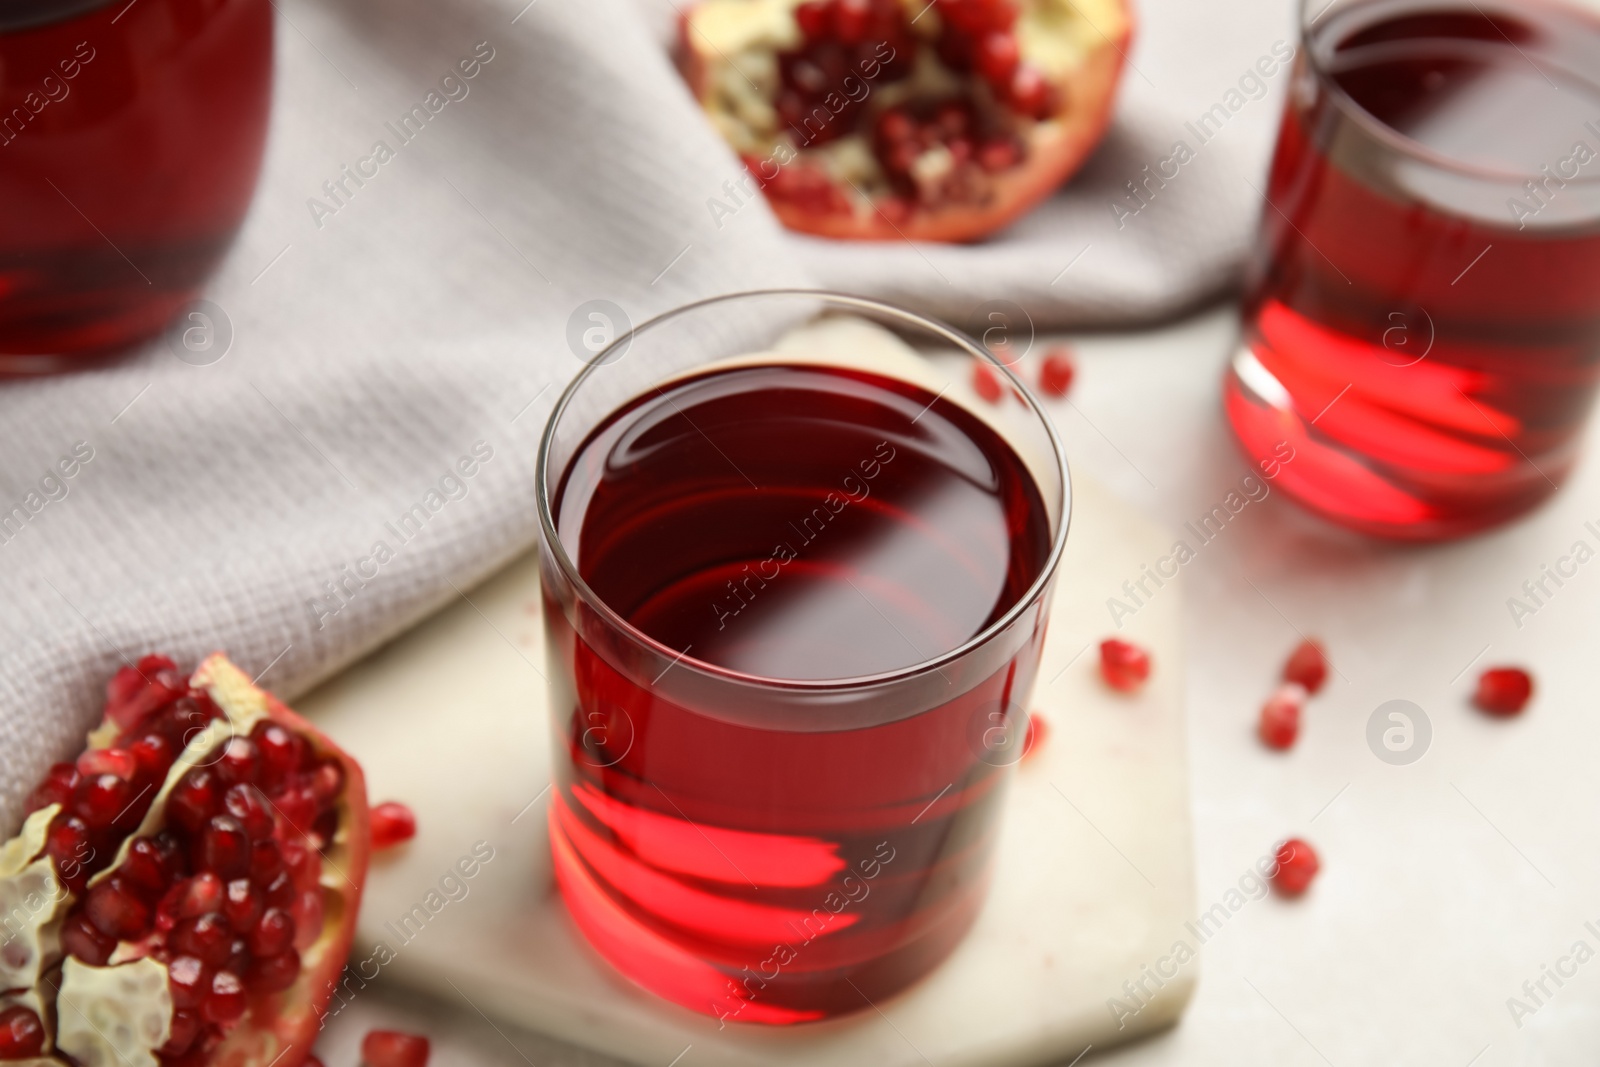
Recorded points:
739,825
1422,326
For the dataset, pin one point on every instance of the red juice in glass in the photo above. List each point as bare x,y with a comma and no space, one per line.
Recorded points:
782,802
1423,320
130,138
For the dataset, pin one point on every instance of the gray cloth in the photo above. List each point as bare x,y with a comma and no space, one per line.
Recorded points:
380,350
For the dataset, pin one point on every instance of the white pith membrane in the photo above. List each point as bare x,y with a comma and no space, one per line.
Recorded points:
118,1015
734,47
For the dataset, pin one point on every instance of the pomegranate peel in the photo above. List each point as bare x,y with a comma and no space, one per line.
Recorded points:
152,947
937,120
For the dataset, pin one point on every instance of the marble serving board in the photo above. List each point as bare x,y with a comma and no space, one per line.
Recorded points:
1094,875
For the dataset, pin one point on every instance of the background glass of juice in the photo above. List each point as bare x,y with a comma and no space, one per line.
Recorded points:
130,138
795,597
1422,324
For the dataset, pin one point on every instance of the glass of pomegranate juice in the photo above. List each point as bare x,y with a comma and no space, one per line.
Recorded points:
1423,320
795,594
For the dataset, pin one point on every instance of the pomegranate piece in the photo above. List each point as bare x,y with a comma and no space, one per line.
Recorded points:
1297,865
1009,99
1123,665
392,823
985,382
393,1048
1503,690
1280,716
21,1034
1055,374
1307,665
218,893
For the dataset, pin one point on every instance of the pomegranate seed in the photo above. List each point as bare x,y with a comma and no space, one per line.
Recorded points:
999,153
113,761
273,974
153,755
21,1034
242,906
201,895
60,781
392,823
850,20
250,806
188,980
68,845
298,805
117,911
1503,690
1297,866
301,863
226,1001
194,799
80,938
239,762
985,382
391,1048
184,1029
1055,375
307,918
223,848
327,781
134,693
1307,665
101,798
266,862
1038,733
1029,93
279,892
1280,716
207,938
812,18
273,935
145,868
282,753
997,57
1123,665
239,957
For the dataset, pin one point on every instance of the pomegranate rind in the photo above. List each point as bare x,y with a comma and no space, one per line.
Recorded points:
32,930
1086,73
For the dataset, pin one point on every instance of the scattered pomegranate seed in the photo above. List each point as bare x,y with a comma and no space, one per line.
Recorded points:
1123,665
392,823
1055,376
1297,866
1307,665
1503,690
391,1048
21,1034
985,382
1280,716
1038,733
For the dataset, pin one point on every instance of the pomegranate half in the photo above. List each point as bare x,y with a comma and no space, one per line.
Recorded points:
937,120
185,892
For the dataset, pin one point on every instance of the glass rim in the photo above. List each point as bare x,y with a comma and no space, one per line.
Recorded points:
1408,146
558,552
